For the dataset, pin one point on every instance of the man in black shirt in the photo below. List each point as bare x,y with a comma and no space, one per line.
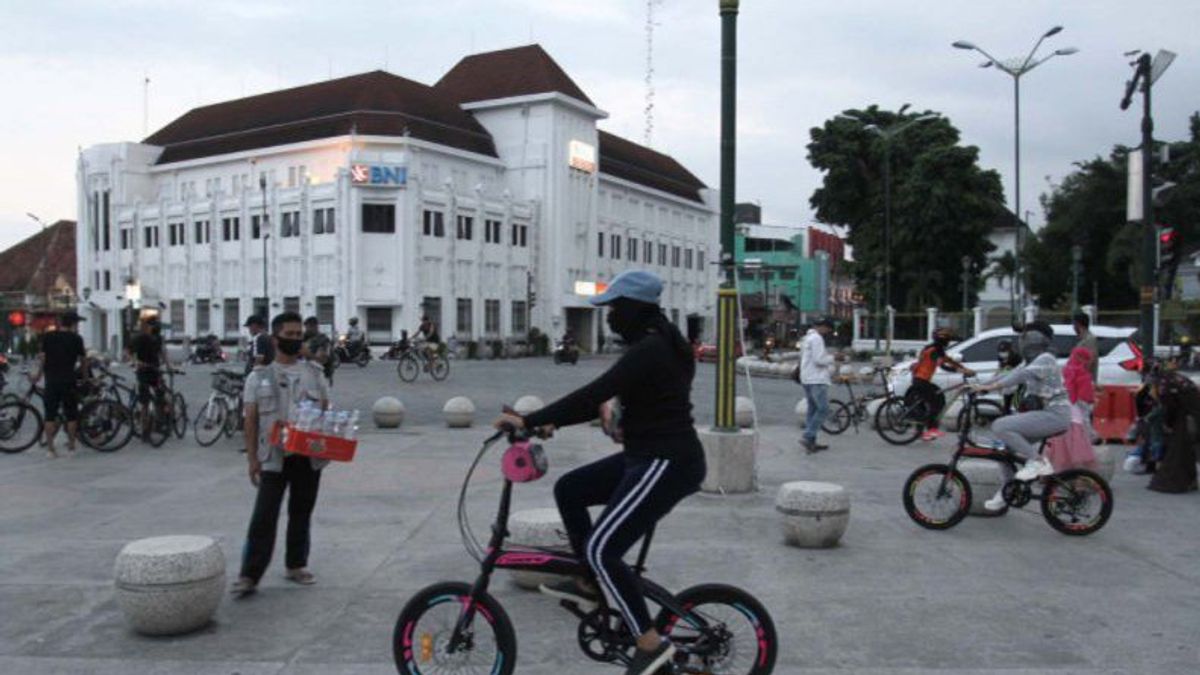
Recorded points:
61,351
146,351
262,351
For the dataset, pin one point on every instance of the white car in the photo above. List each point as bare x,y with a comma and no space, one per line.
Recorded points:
1120,357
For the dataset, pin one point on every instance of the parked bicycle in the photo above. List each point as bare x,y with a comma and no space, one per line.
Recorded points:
900,420
222,413
423,357
459,627
854,410
938,496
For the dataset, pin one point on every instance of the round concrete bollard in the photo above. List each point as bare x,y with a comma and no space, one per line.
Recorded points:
528,404
815,515
743,413
872,408
169,585
459,412
950,416
985,477
1108,458
388,412
801,411
536,527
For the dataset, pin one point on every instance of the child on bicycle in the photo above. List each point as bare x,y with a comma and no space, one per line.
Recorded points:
932,357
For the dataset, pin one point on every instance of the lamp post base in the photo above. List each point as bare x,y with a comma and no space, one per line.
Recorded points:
731,460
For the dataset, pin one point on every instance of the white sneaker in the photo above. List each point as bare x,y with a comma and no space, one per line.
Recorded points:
1035,468
996,503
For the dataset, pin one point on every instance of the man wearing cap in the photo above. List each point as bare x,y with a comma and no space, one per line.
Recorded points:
61,350
816,368
262,351
662,461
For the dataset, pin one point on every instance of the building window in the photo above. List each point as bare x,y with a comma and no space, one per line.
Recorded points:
462,326
150,237
291,303
491,317
256,227
231,229
107,280
379,218
203,317
648,252
633,249
700,260
520,318
432,308
662,255
126,238
687,258
433,224
491,231
674,256
600,244
616,247
322,221
106,214
290,226
232,324
203,232
177,322
518,235
259,308
465,225
379,324
325,309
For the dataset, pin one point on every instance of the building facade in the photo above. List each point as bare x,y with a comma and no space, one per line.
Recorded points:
489,201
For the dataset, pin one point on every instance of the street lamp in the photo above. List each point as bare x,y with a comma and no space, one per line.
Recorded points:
878,297
265,231
1015,68
1076,260
966,282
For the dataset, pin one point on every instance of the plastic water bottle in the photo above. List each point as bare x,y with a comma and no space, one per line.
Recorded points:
352,429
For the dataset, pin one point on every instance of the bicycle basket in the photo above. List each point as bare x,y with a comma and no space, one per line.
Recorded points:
225,385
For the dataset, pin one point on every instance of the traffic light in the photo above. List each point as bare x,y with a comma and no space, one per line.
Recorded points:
16,318
1168,259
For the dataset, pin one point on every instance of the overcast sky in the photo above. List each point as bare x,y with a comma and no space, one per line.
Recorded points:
73,72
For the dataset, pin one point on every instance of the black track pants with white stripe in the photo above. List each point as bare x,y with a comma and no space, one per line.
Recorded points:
637,492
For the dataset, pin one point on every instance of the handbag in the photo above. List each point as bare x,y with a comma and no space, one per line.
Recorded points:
1030,402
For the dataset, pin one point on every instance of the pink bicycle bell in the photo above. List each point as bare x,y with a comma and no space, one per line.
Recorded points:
524,462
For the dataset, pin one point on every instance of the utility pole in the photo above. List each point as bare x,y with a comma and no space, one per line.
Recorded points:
265,231
1076,264
966,285
878,297
727,294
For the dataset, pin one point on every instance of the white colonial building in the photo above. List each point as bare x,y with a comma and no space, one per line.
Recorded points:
386,199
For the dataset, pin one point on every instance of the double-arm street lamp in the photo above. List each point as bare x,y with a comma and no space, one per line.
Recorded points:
1015,68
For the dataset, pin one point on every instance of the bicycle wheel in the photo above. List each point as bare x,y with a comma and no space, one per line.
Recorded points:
179,416
234,421
439,367
983,413
937,497
408,368
1076,502
426,624
838,419
210,421
897,422
725,630
20,426
156,426
104,425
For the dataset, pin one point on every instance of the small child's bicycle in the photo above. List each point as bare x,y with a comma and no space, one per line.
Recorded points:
458,627
938,496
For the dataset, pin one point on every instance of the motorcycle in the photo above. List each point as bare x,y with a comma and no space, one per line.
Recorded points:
565,353
208,350
352,352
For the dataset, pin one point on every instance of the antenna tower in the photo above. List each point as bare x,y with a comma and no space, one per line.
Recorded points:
649,111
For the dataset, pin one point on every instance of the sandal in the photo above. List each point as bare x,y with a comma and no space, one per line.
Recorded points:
243,587
301,576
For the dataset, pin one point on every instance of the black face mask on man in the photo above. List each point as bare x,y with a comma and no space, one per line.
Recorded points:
624,318
288,346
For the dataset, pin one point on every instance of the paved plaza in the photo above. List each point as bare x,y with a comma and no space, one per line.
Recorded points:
992,595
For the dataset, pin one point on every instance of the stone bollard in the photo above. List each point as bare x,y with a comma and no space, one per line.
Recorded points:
815,515
459,412
1108,458
950,415
388,412
169,585
801,412
731,460
743,413
985,477
541,528
528,404
872,409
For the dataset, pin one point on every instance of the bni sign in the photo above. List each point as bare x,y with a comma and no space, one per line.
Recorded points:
581,156
378,175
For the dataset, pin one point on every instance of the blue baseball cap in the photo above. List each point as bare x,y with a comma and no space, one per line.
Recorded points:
633,284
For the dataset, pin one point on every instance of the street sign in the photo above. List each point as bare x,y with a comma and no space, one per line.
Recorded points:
1133,191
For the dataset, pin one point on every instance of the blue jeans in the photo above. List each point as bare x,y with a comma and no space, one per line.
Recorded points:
818,409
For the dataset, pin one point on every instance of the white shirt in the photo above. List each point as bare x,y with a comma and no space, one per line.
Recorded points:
816,364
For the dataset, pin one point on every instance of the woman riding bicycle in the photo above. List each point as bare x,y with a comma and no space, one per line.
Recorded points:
662,461
1046,408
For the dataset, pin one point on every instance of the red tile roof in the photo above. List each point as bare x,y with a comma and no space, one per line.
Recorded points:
375,103
21,267
519,71
625,159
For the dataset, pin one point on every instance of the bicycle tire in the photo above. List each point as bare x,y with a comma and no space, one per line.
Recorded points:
757,644
961,503
179,416
439,368
104,425
408,368
1061,482
15,416
411,647
155,428
838,419
233,421
894,421
363,358
210,422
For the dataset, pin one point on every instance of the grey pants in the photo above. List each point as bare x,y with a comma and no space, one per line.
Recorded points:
1021,430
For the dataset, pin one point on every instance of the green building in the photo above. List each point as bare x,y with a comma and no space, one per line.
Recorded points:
780,286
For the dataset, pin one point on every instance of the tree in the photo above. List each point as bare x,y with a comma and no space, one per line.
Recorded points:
943,204
1004,269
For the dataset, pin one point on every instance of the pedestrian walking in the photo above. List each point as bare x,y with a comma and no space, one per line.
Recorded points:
61,351
270,393
1083,330
262,349
816,369
318,347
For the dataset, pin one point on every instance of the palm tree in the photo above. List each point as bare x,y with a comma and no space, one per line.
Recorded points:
1005,267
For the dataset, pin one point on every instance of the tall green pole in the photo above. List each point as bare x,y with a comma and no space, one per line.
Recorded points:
727,294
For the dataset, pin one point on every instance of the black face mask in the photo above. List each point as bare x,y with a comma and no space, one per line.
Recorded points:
620,320
288,346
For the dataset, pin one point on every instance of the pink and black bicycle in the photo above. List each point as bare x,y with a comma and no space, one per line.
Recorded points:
458,627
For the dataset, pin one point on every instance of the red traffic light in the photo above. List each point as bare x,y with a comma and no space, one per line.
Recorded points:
16,318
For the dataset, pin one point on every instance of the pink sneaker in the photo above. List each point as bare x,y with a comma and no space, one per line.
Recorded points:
929,435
